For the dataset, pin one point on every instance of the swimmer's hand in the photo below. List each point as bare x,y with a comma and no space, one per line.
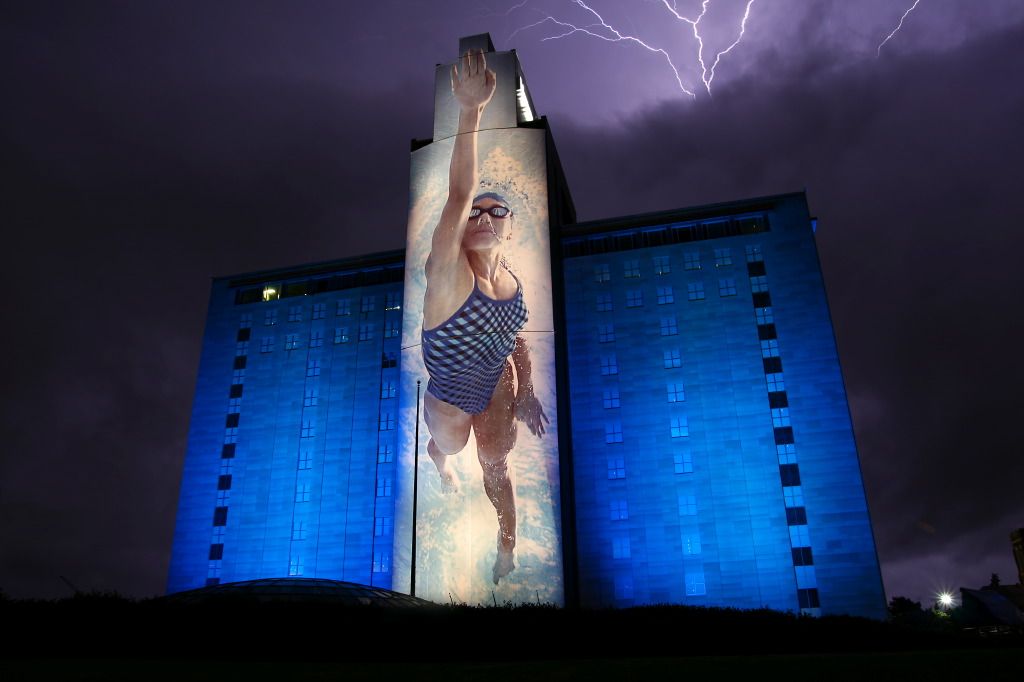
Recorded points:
529,411
474,87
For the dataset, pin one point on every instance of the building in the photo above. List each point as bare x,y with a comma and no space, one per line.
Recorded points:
701,452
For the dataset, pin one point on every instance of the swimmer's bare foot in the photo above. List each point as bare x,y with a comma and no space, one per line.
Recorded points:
449,480
503,563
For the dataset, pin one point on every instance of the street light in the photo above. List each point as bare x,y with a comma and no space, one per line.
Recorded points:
945,600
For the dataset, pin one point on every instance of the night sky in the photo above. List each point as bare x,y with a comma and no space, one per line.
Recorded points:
149,146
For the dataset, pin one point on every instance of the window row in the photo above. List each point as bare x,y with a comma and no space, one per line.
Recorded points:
679,427
662,264
671,358
665,295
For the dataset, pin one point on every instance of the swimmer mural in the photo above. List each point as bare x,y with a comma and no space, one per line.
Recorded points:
478,352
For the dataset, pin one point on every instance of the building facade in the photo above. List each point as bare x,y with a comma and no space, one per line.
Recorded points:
706,454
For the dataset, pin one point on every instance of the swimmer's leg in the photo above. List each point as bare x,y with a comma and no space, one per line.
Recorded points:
449,430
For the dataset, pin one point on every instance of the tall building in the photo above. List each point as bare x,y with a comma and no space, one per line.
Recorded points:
700,449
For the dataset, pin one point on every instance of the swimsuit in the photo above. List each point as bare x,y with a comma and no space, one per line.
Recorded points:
466,355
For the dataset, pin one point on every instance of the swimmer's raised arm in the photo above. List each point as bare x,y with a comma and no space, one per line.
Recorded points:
473,89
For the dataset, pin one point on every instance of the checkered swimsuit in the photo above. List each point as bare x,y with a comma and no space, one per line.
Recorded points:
466,355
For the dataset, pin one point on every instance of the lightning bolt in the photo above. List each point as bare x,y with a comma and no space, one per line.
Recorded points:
708,74
897,29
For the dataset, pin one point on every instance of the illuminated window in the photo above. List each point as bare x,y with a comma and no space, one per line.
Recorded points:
267,344
619,510
313,368
291,341
312,396
384,487
319,311
305,459
764,315
695,291
605,333
393,300
691,543
676,394
665,295
382,525
683,462
780,416
245,321
344,307
620,548
770,348
787,453
381,562
609,365
365,332
387,421
672,358
611,398
308,429
754,254
295,313
613,432
368,304
691,261
604,303
385,453
271,292
341,335
723,257
392,329
727,287
298,530
759,284
634,298
388,389
793,495
316,339
295,566
668,326
616,467
687,505
270,318
662,266
602,273
302,492
631,269
679,427
231,435
695,584
775,382
799,537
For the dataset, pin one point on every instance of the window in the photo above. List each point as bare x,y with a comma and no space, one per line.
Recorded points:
687,505
665,295
754,254
786,453
602,273
388,389
727,287
344,307
616,467
243,336
611,398
756,269
764,315
723,257
313,368
381,562
225,466
305,459
668,326
388,359
217,536
291,341
341,335
634,298
267,344
802,556
672,358
619,510
695,291
308,429
232,420
780,416
691,261
392,329
223,497
295,566
242,347
770,348
793,495
691,543
604,303
775,382
295,313
319,311
683,462
631,269
609,365
796,516
613,432
270,318
384,487
316,339
662,266
805,578
365,332
605,333
231,435
368,304
245,321
311,397
302,492
298,530
385,453
759,284
234,404
393,300
620,548
676,394
240,362
799,537
220,516
382,525
695,584
238,376
679,427
228,451
790,474
387,421
808,599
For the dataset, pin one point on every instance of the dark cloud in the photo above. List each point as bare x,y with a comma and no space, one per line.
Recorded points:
147,149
